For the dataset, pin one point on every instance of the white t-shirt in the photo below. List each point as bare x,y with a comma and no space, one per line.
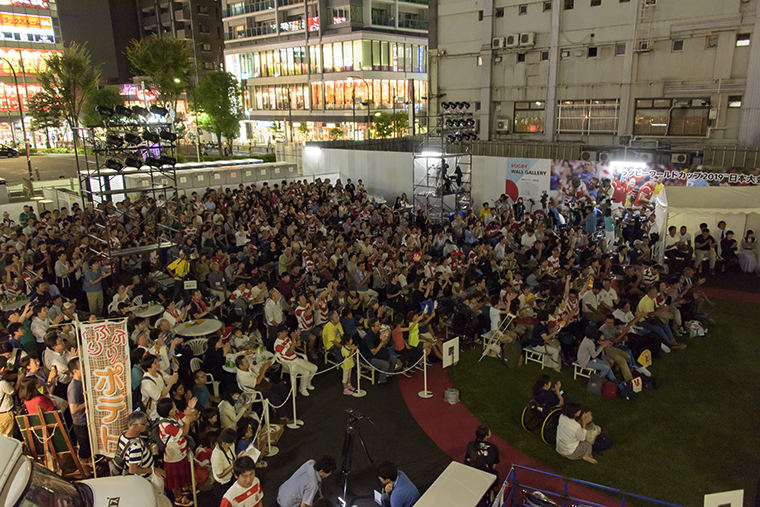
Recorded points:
221,460
495,315
151,392
590,301
686,238
625,318
671,241
6,396
527,240
607,297
569,435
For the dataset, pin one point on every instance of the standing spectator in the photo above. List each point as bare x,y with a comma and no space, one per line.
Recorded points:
8,383
93,287
78,412
247,491
134,450
273,315
173,427
305,485
223,461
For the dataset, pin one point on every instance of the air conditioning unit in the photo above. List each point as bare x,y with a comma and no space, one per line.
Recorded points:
512,41
497,43
565,54
527,39
650,2
679,158
646,157
588,156
604,156
502,125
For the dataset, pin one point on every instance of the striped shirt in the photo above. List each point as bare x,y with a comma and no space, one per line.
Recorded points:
138,453
237,496
305,319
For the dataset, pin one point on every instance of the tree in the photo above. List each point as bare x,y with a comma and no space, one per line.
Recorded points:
47,112
166,62
386,123
218,96
69,79
336,133
108,96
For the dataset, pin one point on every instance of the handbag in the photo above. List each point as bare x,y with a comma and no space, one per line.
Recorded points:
595,383
592,431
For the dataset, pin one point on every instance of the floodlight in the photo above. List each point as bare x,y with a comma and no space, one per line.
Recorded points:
167,160
168,135
151,136
133,162
159,111
132,139
114,140
123,111
104,111
114,164
140,111
153,162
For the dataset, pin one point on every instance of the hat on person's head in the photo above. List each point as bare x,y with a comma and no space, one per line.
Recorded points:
637,242
69,305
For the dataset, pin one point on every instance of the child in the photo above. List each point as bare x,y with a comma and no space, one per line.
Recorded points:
402,349
347,350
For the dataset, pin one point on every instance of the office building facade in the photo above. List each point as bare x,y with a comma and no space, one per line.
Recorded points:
319,69
602,72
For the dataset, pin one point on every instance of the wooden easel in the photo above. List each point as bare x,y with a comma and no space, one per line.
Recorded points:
48,442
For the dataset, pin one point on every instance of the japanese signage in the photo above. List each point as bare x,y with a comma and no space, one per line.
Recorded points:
314,24
104,352
9,97
34,4
26,28
34,60
135,92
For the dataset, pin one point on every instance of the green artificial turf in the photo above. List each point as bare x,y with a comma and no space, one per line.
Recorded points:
696,434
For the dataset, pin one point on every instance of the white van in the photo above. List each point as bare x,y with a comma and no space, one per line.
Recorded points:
24,483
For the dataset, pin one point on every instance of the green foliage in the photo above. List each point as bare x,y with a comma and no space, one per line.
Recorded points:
69,79
32,151
387,123
109,96
181,159
303,129
218,96
166,62
46,112
336,133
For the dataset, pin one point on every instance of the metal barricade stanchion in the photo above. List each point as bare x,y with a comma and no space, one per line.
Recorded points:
424,393
271,449
358,393
296,422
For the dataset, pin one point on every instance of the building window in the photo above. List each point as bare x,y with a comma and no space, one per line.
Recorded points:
521,58
734,101
209,65
529,117
500,12
477,106
624,1
596,3
674,117
547,6
338,15
523,9
620,49
206,47
593,52
480,15
203,9
204,28
480,61
544,56
587,116
678,45
742,39
569,4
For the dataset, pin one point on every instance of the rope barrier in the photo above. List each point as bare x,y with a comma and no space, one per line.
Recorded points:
401,372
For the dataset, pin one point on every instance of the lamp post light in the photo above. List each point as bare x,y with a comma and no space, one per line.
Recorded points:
30,190
353,101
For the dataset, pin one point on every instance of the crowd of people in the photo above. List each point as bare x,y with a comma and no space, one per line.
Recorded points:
307,274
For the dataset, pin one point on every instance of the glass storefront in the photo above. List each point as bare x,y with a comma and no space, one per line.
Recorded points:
337,95
346,56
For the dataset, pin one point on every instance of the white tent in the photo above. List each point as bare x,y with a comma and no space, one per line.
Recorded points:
739,207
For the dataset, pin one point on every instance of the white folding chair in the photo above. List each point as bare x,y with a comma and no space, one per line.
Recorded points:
198,345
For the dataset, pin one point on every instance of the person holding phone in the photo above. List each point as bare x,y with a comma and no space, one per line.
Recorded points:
232,409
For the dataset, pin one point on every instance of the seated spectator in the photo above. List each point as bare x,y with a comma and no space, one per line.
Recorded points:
230,411
546,395
201,392
571,434
223,461
480,453
285,350
28,392
591,353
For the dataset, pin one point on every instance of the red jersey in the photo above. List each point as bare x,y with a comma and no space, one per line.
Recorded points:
281,347
305,318
237,496
646,191
320,316
619,191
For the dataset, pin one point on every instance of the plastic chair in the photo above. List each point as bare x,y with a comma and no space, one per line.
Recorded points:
195,365
198,345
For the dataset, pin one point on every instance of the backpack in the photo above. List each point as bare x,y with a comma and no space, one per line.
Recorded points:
594,385
137,397
625,391
116,464
602,442
610,389
695,328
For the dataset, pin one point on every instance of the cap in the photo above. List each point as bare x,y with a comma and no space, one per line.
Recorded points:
68,306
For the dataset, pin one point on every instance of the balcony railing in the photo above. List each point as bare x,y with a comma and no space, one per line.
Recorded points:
286,3
379,19
414,24
250,32
248,8
421,2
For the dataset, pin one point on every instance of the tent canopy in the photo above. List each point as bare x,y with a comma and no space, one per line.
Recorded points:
739,207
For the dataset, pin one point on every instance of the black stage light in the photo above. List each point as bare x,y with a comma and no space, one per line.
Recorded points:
159,111
123,111
153,162
132,139
133,162
114,164
167,160
150,136
114,140
168,135
140,111
104,111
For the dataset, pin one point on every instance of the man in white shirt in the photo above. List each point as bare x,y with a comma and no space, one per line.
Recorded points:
273,315
685,242
6,402
607,297
591,303
42,323
500,250
529,238
57,357
153,386
674,244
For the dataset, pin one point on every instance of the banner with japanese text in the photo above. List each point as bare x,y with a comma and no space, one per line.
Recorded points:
104,353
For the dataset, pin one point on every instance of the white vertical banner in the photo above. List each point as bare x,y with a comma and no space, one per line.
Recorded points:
104,357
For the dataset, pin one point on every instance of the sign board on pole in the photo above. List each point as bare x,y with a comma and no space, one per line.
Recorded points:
451,352
104,356
725,499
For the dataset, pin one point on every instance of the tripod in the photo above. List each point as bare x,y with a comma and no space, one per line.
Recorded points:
352,429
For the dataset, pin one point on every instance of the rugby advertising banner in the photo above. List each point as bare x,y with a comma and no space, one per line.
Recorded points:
104,356
527,178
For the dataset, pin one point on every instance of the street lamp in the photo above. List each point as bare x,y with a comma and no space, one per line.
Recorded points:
23,127
353,101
